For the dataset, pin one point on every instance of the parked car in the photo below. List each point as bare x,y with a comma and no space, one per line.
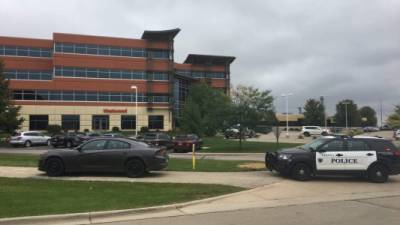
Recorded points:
385,127
397,134
313,130
68,140
105,155
374,157
185,142
234,132
158,139
113,135
29,138
370,129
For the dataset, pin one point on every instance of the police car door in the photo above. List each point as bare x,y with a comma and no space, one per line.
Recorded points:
326,155
358,156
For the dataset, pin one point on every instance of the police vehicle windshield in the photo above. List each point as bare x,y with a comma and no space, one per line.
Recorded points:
314,144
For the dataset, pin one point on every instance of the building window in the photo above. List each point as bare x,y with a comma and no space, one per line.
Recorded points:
28,75
38,122
99,50
70,122
83,96
158,54
158,76
99,73
100,122
25,51
156,122
128,122
198,74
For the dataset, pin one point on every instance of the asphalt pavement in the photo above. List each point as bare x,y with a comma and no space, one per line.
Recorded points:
385,211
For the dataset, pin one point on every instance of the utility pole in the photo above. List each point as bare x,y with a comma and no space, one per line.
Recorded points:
381,112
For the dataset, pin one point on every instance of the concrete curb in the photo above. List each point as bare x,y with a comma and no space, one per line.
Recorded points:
111,216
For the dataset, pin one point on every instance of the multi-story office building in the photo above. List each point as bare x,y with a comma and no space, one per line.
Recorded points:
90,82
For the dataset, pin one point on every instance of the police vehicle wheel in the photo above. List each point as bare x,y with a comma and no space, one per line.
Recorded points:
307,134
301,171
378,174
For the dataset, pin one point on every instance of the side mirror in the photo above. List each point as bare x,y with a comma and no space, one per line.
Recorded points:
78,149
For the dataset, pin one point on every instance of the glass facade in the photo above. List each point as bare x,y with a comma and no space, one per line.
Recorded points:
180,92
158,76
38,122
158,54
25,51
99,50
87,96
99,73
28,75
201,74
156,122
128,122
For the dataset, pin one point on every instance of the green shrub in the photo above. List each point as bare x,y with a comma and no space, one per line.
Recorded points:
54,129
115,129
144,130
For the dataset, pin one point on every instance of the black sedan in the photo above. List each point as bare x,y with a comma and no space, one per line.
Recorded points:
105,155
68,140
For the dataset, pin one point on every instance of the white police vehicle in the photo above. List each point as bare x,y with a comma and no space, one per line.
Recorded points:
374,157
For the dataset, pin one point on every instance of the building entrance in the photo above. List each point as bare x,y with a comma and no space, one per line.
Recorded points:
100,122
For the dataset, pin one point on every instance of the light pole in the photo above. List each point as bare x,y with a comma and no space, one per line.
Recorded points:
136,114
345,104
322,98
286,95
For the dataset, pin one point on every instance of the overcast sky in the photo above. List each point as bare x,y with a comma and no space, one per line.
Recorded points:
339,48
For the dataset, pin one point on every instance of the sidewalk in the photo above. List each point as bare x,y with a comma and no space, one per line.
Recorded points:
240,179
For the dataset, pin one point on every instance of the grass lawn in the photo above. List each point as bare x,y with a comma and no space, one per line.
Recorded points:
202,165
219,144
28,197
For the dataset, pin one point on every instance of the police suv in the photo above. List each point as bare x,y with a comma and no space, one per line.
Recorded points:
374,157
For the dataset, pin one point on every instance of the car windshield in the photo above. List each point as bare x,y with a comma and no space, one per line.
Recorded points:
314,144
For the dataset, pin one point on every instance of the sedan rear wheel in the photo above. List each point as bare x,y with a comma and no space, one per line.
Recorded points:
134,168
54,167
27,144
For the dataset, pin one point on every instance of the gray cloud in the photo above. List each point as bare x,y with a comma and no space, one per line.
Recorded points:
341,49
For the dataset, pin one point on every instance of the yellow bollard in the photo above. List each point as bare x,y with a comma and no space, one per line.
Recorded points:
193,157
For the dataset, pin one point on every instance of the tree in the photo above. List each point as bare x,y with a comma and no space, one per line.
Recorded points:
252,107
314,113
353,115
205,110
368,116
394,119
9,113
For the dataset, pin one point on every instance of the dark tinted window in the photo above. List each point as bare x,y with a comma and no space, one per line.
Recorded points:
335,145
128,122
38,122
357,145
94,145
70,122
156,122
382,145
114,144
